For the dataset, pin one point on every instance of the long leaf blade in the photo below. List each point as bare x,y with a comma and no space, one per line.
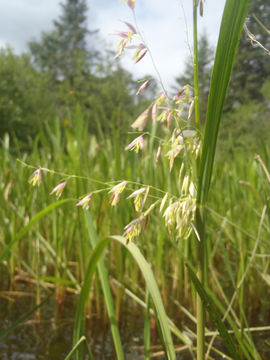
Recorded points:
155,294
216,318
233,19
27,227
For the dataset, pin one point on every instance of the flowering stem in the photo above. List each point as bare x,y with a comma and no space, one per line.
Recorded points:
200,212
149,52
195,67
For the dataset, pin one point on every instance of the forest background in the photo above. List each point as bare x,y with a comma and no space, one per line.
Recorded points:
61,71
67,108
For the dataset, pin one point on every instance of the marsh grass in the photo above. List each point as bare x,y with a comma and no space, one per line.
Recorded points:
234,215
57,244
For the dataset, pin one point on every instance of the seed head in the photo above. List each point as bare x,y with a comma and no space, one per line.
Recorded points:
58,189
142,87
85,202
116,192
136,144
131,4
158,154
133,229
141,121
178,94
35,178
163,201
147,212
138,198
131,27
139,57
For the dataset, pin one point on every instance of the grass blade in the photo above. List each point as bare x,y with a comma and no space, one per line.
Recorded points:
230,31
105,287
216,318
26,228
233,19
147,327
94,262
23,318
77,346
153,289
85,290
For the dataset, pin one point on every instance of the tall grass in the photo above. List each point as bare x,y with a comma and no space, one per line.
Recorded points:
233,19
236,198
229,250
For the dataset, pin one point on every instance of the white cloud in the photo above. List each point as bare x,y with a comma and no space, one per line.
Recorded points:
162,24
23,20
165,30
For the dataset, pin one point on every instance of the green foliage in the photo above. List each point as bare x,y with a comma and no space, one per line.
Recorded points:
64,248
230,30
69,252
61,80
252,65
23,106
215,316
63,52
245,129
106,99
245,122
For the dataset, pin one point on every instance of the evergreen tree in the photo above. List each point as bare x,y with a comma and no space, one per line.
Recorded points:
252,63
205,62
63,52
245,126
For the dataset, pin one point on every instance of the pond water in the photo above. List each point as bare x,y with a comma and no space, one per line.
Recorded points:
50,336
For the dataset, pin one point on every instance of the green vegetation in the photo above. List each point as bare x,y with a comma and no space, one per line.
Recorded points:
194,248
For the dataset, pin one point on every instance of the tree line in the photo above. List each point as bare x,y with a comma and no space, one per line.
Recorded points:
61,71
245,125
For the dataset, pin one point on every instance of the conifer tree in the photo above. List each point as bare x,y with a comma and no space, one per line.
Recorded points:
63,52
252,63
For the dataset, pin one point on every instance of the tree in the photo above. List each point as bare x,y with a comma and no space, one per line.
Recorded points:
23,106
245,130
205,62
63,52
246,114
106,95
107,98
252,64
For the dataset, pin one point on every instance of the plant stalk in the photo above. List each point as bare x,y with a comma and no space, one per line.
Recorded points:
201,274
200,224
195,67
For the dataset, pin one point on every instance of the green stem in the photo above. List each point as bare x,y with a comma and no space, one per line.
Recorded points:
201,274
200,223
195,66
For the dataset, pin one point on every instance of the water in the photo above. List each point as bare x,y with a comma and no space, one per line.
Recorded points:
50,336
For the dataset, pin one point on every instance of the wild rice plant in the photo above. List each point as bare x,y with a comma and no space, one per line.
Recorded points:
71,246
231,27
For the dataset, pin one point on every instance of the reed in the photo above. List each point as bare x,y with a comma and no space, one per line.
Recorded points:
229,235
233,19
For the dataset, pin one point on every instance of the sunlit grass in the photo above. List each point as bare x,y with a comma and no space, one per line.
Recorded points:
55,243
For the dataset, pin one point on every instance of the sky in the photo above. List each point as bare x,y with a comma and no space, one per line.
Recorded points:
165,24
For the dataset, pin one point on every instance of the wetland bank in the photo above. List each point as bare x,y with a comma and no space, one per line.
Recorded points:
149,243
